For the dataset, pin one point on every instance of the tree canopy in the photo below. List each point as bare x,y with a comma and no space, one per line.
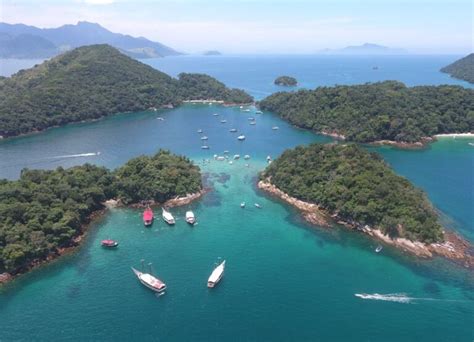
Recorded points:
358,187
286,81
462,69
44,210
91,82
379,111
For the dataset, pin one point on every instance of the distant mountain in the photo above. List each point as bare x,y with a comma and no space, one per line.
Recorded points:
462,69
69,37
212,53
26,46
365,49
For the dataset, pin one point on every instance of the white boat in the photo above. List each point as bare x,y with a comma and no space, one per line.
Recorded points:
231,162
237,156
204,138
216,275
241,137
205,147
226,152
253,123
215,114
258,206
233,130
246,157
242,204
251,119
223,121
199,131
167,217
160,118
150,281
220,158
275,128
378,249
258,112
247,110
190,218
269,159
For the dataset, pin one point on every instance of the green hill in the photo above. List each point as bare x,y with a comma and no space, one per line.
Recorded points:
89,83
357,187
379,111
462,69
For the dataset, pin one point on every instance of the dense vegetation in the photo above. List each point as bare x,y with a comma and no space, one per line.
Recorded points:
379,111
462,68
286,81
91,82
203,87
357,186
44,210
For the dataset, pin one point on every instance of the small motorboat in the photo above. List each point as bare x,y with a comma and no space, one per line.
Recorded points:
168,217
247,110
148,217
160,118
237,156
216,275
241,137
258,206
150,281
242,204
205,147
253,122
199,130
269,159
246,157
109,243
251,119
233,130
204,138
378,249
258,112
226,152
190,218
220,158
215,114
223,121
231,162
275,128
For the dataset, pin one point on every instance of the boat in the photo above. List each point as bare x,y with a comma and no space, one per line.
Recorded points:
226,152
215,114
269,159
258,206
253,123
242,204
246,157
241,137
275,128
378,249
205,147
216,275
258,112
148,217
233,130
168,217
220,158
190,218
237,156
231,162
204,138
223,121
247,110
109,243
160,118
199,130
150,281
251,119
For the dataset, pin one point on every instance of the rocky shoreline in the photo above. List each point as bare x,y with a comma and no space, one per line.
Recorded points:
453,248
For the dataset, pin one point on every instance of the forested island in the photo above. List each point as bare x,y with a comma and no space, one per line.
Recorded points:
92,82
385,111
347,184
45,211
287,81
462,69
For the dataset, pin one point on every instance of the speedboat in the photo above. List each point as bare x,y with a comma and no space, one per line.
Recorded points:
241,137
275,128
242,204
378,249
204,138
251,119
190,218
109,243
253,123
216,275
150,281
205,147
246,157
168,217
215,114
220,158
223,121
199,131
258,112
258,206
148,217
226,152
233,130
237,156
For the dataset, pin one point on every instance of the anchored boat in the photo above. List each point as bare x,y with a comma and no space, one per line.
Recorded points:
241,137
216,275
148,217
190,218
109,243
150,281
168,217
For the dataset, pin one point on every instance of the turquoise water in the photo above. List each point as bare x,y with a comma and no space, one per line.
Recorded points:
284,279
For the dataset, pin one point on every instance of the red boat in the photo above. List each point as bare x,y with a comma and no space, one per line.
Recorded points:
109,243
148,217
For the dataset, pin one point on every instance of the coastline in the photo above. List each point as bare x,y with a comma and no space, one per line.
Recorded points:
453,248
82,233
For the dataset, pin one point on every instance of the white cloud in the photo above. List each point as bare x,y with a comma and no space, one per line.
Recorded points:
99,2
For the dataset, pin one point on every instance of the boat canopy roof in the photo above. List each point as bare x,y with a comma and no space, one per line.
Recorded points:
215,275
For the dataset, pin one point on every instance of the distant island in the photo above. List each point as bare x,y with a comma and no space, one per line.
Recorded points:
45,212
344,183
287,81
94,81
385,112
212,53
23,41
365,49
462,69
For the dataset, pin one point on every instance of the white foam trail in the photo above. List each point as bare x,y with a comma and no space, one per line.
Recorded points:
390,297
90,154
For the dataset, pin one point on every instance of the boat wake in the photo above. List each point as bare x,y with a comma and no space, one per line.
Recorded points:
76,155
402,298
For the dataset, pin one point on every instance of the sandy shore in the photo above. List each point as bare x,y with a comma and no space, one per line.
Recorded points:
454,247
455,135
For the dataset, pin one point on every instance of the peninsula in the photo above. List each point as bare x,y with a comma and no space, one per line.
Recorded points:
344,183
462,69
386,112
287,81
92,82
45,212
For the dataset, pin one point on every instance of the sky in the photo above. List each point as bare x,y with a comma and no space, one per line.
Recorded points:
266,26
